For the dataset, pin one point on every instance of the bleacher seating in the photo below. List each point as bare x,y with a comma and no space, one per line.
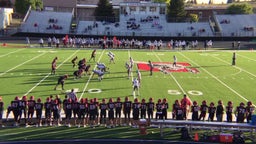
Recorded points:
237,25
138,25
47,22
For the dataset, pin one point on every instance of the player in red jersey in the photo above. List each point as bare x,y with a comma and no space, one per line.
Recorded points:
165,107
127,110
135,112
48,111
159,106
150,108
23,103
118,109
68,111
54,65
61,81
111,108
31,108
240,113
229,111
211,111
103,112
92,113
203,109
143,109
93,55
39,109
73,61
195,111
15,109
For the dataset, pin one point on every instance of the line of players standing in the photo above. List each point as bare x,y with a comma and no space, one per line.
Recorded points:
108,113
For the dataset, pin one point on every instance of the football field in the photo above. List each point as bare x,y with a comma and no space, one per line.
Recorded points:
202,75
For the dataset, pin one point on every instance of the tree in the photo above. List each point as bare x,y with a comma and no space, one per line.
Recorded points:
193,17
176,10
104,11
5,3
243,8
21,6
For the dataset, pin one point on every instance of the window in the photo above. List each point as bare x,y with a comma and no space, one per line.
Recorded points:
143,9
152,9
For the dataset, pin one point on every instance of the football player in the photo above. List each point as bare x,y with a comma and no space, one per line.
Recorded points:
31,108
61,81
39,109
54,65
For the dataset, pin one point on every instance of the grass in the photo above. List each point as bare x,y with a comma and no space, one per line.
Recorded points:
26,71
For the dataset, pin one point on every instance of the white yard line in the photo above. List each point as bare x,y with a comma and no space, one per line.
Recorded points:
11,53
246,57
88,81
21,64
235,66
129,55
181,88
213,76
50,73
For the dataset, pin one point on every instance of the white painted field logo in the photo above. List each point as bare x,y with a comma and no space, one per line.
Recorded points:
167,67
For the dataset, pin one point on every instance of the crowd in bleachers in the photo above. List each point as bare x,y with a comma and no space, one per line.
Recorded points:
115,42
108,112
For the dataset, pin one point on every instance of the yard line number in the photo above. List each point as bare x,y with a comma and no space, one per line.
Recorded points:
191,92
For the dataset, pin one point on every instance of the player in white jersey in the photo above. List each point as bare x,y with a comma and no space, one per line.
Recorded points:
136,86
111,57
139,76
99,73
129,69
102,67
131,62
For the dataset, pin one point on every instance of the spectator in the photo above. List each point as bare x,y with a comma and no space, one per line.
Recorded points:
41,42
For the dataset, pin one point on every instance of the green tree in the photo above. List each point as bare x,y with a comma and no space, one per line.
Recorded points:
194,17
104,11
21,6
176,10
243,8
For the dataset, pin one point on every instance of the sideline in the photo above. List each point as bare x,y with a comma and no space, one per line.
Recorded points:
49,74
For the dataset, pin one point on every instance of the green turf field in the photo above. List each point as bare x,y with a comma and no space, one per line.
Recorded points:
26,71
